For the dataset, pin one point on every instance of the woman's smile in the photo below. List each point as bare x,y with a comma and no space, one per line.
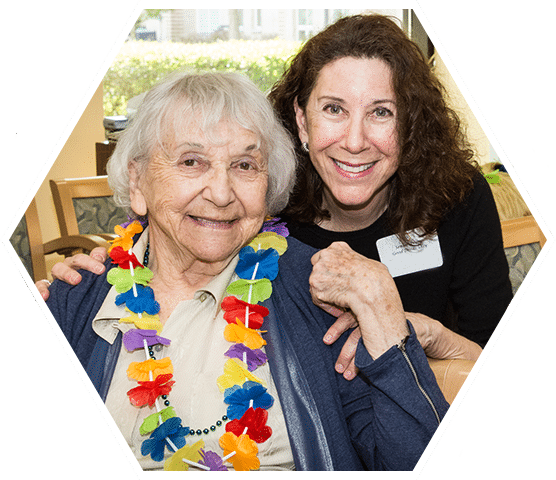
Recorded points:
205,199
351,170
350,126
213,223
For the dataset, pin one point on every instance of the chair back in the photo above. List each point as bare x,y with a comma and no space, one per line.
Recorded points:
450,375
523,241
85,206
27,242
522,231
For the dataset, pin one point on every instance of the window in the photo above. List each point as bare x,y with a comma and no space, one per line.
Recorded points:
337,14
305,17
304,24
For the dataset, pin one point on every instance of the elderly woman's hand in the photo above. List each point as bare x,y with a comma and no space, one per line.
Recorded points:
67,270
344,279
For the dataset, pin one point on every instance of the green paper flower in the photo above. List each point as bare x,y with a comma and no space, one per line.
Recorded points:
251,291
151,422
123,280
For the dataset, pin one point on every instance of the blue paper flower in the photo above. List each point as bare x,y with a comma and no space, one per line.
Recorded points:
170,429
239,398
144,302
267,261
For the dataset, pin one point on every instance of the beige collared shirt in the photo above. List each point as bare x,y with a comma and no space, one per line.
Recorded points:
195,329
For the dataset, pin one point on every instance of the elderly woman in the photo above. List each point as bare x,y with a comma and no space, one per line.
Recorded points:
202,337
384,163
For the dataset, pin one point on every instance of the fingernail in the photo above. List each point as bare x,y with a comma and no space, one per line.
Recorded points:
339,368
99,269
327,338
348,375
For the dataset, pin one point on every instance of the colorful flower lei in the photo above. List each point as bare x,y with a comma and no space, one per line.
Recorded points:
245,394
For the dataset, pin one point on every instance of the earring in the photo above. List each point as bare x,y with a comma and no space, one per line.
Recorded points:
305,146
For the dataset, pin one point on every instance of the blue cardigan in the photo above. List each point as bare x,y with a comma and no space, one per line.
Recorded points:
381,420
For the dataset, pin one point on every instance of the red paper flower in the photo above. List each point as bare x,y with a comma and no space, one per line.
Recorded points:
122,258
148,392
235,308
255,422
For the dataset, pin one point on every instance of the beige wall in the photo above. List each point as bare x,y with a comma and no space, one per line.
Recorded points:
76,159
475,133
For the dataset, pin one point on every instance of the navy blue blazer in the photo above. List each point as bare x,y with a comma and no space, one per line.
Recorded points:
381,420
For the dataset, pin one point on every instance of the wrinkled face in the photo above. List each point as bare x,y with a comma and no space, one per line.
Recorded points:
204,200
350,124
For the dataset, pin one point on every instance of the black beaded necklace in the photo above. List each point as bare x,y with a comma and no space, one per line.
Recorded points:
192,431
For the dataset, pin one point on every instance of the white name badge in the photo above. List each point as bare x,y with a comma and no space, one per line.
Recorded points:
402,260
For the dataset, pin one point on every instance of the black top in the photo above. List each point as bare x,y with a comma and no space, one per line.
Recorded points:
470,292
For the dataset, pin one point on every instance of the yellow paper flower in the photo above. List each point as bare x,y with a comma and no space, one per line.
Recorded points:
190,452
266,240
140,370
239,333
246,450
145,322
235,373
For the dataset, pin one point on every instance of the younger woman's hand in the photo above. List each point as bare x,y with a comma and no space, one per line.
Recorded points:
345,364
441,342
66,271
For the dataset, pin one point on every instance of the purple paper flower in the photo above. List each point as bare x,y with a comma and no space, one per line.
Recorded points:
142,220
267,261
254,358
212,460
170,429
239,398
144,302
133,339
273,225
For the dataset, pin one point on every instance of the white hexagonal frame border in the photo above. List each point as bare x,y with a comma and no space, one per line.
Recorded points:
466,93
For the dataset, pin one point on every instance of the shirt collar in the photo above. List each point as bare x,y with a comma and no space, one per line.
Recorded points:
106,322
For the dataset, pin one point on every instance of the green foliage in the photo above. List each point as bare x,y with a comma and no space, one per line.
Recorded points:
139,65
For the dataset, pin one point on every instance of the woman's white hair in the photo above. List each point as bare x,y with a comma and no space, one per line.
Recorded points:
204,100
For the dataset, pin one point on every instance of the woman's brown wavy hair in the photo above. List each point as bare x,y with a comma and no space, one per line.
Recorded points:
436,166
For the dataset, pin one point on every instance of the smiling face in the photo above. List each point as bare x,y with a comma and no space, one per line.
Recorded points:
204,200
350,124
